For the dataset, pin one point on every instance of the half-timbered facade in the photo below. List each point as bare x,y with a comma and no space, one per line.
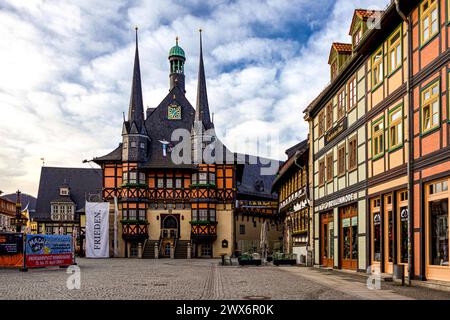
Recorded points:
292,187
173,201
7,212
401,71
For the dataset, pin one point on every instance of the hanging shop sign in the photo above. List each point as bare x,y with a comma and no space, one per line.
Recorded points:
48,250
295,196
97,229
301,205
11,249
335,131
337,202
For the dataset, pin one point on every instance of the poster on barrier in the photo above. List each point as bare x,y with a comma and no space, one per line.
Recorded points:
48,250
11,249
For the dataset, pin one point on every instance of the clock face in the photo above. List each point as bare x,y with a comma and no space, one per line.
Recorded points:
174,112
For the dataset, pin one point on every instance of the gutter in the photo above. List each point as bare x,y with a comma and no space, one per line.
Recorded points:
410,142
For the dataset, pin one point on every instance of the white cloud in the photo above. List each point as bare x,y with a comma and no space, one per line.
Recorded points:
66,69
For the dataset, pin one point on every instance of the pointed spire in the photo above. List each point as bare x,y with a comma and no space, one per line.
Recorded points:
136,108
202,107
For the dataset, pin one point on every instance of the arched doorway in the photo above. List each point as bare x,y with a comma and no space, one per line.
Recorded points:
170,227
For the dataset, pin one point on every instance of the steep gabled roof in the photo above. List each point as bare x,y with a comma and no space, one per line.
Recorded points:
364,15
293,153
81,181
344,48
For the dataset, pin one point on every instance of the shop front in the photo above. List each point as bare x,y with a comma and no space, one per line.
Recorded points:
436,196
389,230
348,237
327,239
341,232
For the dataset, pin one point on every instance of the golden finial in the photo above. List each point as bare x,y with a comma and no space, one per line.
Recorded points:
177,39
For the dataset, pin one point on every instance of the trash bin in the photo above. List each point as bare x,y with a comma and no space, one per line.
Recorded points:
399,273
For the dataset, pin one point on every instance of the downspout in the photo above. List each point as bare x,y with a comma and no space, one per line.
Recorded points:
410,144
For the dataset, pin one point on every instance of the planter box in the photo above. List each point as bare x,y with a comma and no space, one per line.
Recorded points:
254,262
291,262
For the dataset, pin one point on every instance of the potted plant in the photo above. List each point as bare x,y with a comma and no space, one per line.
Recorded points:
284,259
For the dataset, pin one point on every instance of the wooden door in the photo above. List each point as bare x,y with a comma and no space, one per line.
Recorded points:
348,253
389,234
327,239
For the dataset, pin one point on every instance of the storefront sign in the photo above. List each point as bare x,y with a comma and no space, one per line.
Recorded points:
48,250
11,249
337,202
335,131
97,229
256,204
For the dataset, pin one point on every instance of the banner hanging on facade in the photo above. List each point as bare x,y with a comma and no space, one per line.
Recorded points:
97,229
48,250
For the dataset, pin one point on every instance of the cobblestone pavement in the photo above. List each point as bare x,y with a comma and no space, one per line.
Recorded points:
193,279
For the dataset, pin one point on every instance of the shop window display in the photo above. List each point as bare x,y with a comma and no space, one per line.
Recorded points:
439,232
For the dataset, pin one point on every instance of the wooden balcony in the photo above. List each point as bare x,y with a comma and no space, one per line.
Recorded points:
134,231
204,230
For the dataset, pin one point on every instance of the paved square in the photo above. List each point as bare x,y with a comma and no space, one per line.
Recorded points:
195,279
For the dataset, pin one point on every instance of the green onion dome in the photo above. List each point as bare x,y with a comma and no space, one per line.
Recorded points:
177,51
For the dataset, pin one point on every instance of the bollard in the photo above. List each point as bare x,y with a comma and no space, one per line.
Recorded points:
172,252
156,251
399,273
189,250
140,250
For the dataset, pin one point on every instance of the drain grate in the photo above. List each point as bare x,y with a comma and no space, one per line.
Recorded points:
256,298
160,284
140,284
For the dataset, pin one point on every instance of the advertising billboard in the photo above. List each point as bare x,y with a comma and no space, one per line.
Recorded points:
48,250
11,250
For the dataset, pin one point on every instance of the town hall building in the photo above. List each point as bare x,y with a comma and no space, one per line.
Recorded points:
186,197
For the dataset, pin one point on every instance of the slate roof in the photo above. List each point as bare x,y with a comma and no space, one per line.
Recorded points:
251,181
81,181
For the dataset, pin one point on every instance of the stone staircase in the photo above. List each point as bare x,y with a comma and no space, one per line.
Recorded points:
149,249
181,249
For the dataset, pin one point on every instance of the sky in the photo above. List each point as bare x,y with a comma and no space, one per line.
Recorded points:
66,66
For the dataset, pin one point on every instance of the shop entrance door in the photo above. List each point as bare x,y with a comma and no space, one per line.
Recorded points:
388,234
327,239
348,254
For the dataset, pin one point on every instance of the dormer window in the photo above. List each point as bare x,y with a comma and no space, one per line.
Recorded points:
64,191
333,70
357,37
133,144
142,145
